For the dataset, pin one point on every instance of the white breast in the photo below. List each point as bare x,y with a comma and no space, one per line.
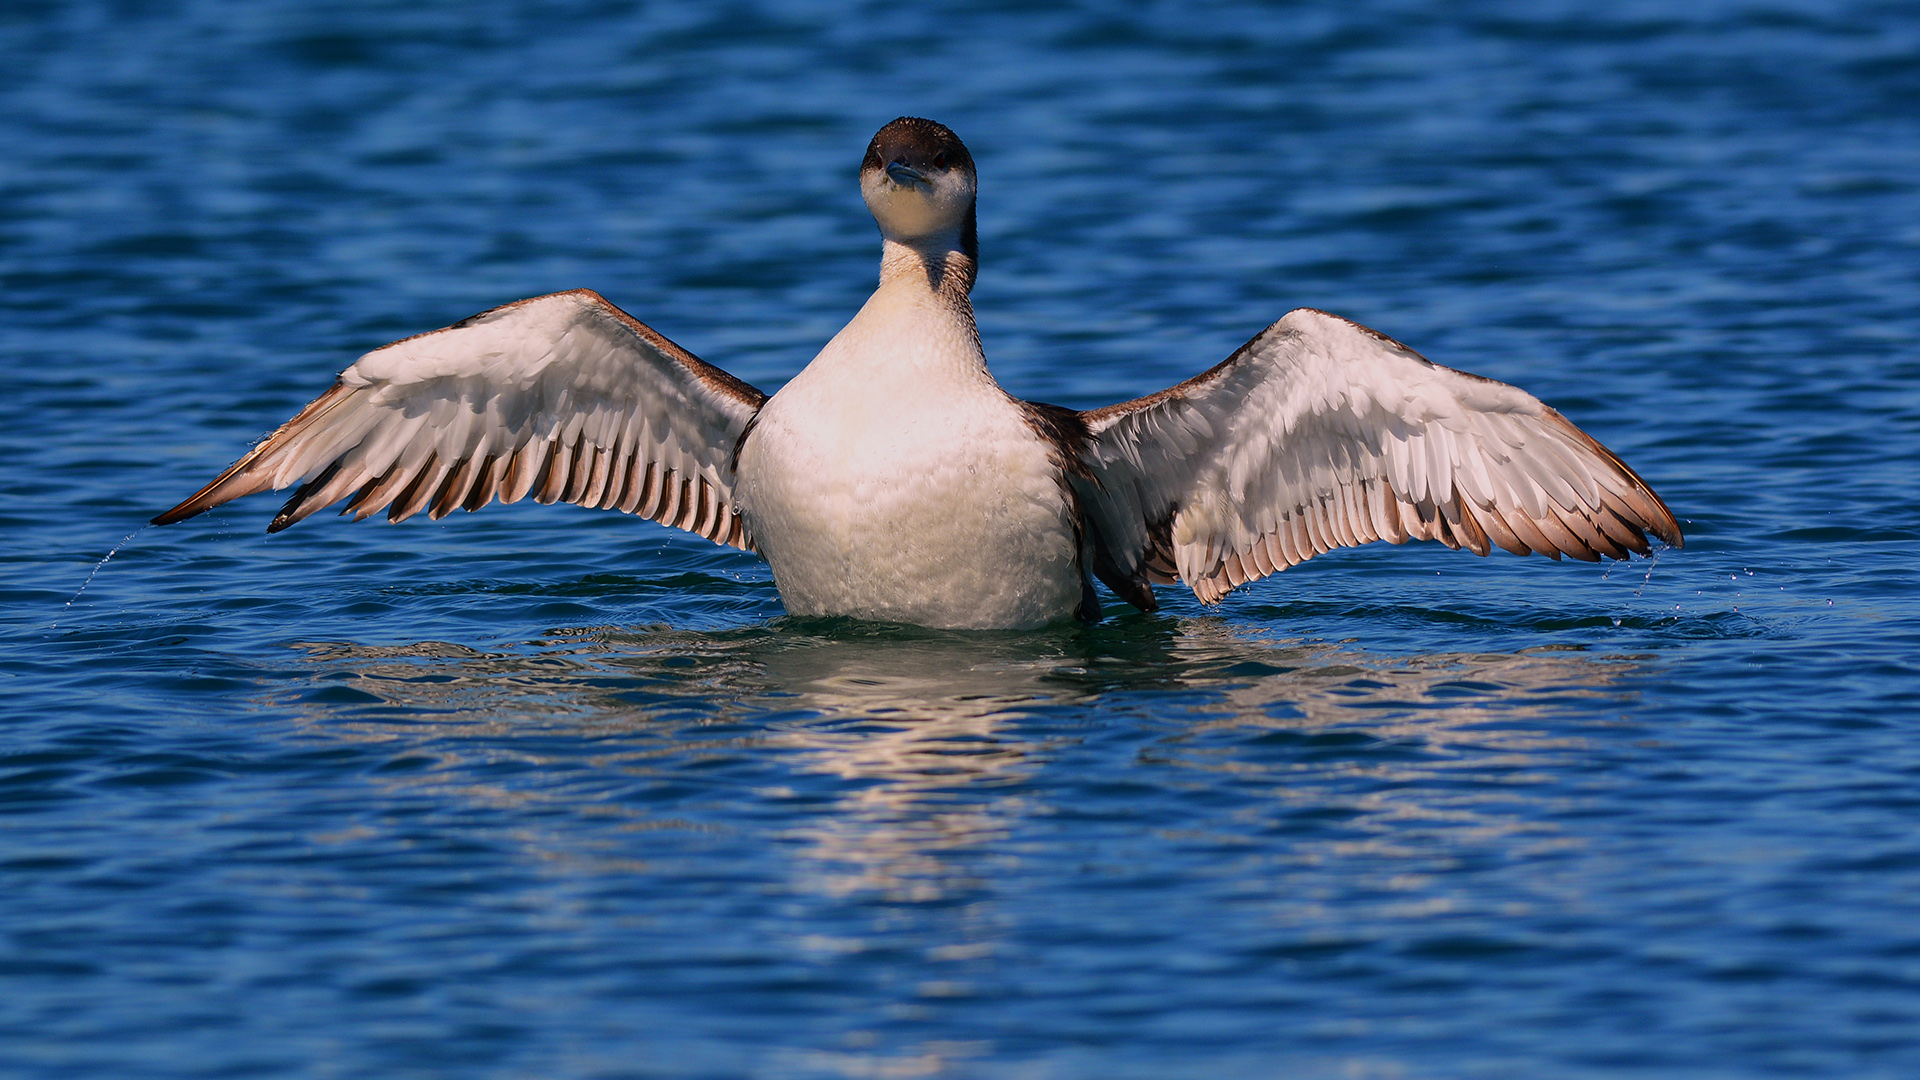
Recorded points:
892,479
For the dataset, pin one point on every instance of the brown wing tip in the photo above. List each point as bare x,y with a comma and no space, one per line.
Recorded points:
1672,535
1661,523
1659,519
206,499
179,513
232,484
239,480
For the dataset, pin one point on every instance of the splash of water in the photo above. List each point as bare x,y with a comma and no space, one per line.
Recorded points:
1651,563
1652,560
94,573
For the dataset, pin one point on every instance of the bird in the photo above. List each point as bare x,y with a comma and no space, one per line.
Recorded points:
892,479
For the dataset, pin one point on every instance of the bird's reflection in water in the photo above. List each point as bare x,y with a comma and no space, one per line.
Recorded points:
936,740
905,756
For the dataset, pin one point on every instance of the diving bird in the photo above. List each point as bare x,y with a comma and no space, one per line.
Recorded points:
893,479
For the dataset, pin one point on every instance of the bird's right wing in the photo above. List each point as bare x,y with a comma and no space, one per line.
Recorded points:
1320,433
563,397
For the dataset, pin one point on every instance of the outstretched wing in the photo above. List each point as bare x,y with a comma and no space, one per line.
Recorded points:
1320,433
563,397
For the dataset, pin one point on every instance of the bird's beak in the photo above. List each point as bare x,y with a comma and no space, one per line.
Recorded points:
906,175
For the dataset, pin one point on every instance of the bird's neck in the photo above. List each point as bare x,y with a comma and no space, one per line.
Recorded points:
915,336
936,264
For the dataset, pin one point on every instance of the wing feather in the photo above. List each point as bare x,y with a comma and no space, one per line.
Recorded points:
562,397
1320,433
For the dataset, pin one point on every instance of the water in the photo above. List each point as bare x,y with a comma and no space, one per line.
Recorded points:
548,792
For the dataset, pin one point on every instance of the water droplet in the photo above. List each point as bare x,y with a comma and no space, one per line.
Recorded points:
94,572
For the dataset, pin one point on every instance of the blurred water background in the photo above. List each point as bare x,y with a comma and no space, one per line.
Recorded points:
549,792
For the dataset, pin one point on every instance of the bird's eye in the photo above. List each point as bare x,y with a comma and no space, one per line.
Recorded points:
940,160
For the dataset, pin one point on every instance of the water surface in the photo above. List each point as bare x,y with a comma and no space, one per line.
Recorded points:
543,791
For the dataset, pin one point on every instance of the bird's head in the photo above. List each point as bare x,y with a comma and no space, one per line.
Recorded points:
919,182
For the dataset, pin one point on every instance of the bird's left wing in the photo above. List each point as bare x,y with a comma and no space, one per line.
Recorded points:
563,397
1320,433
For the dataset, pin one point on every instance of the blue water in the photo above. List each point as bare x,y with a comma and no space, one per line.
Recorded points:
547,792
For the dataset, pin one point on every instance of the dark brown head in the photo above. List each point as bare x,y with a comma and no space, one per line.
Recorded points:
919,182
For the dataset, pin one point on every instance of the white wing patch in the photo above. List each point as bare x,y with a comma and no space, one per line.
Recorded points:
563,397
1320,433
